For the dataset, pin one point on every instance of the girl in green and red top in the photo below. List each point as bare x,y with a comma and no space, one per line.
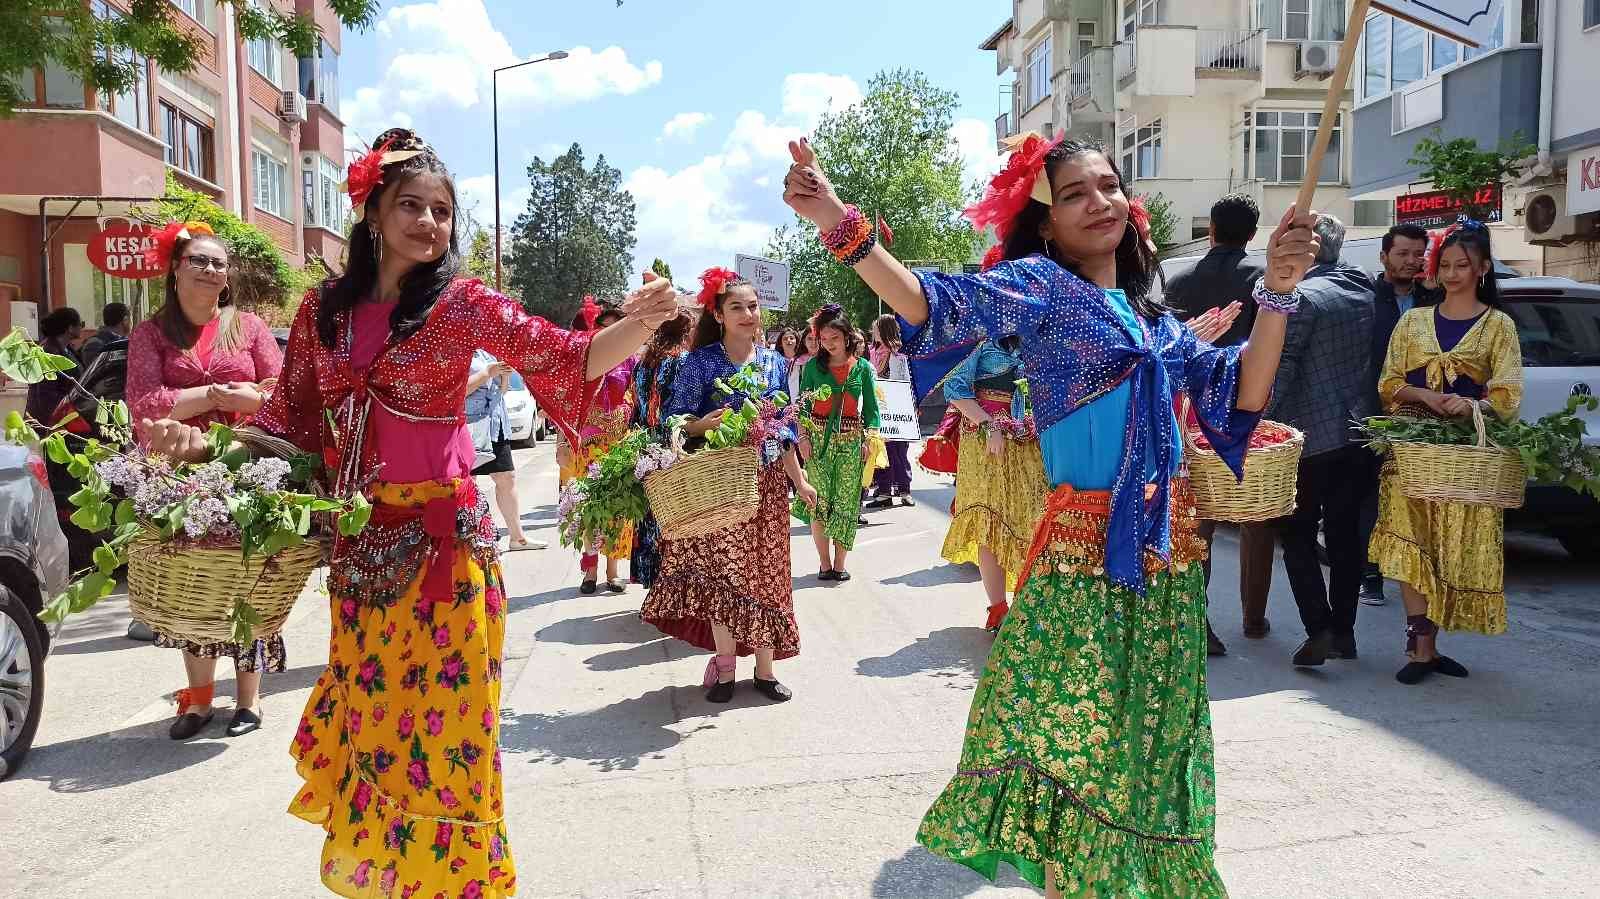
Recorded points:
840,435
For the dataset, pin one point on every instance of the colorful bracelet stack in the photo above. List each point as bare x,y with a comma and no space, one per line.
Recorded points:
852,239
1285,303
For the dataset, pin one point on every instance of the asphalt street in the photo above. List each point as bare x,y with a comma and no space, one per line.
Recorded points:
622,781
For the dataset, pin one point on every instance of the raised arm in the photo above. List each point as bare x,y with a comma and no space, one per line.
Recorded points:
1291,251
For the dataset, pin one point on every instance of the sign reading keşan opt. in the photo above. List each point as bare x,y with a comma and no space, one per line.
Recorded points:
118,250
769,277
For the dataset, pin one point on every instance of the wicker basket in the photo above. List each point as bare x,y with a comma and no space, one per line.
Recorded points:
1268,488
1481,475
705,492
188,593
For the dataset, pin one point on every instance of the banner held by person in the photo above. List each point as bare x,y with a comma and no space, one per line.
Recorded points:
898,411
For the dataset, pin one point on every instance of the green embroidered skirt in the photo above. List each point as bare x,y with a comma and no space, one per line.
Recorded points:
836,473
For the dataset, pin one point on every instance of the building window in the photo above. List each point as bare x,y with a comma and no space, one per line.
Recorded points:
324,201
1141,151
189,143
1373,213
1037,73
1302,20
199,10
141,297
1142,12
1396,53
1443,52
1088,37
1497,39
319,77
271,179
1407,63
266,56
1591,13
1282,141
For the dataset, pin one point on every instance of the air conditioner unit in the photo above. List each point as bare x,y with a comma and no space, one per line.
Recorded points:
1545,220
1318,58
292,107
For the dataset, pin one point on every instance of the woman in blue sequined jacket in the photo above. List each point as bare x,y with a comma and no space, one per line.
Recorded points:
1087,764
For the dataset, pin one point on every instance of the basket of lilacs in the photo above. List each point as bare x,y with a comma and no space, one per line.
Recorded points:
215,551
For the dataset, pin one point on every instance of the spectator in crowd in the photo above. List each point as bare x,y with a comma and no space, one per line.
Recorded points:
60,332
1226,275
487,381
115,325
1399,289
1320,393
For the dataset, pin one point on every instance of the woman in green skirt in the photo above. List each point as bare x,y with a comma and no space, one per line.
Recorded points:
841,434
1087,764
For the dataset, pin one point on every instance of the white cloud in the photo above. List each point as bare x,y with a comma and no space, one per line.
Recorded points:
442,53
684,125
704,213
980,160
476,198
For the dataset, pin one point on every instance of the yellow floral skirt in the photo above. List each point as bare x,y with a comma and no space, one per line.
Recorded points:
576,465
1452,553
399,743
998,503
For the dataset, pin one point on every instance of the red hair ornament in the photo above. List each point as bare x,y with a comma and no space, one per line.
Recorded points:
590,312
365,174
1024,178
993,256
159,254
713,284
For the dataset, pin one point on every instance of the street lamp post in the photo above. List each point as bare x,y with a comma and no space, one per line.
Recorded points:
494,93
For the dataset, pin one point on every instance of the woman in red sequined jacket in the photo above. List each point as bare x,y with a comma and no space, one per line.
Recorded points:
398,743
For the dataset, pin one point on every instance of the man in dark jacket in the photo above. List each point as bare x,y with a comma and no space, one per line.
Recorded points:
1320,393
1224,275
115,326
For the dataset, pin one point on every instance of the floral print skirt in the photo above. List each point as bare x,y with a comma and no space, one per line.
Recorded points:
836,472
739,577
1089,748
399,743
998,499
268,655
1452,553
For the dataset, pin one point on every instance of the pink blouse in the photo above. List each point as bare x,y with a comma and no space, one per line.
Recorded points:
158,370
410,451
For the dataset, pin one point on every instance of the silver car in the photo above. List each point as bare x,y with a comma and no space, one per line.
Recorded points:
33,566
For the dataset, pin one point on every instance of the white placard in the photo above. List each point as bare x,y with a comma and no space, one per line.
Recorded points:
897,411
1583,181
1468,21
770,278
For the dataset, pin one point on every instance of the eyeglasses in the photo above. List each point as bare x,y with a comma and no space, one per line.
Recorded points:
206,263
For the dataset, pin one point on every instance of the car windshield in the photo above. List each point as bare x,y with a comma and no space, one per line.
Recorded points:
1556,329
516,382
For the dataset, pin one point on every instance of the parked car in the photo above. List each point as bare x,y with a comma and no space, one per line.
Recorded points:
281,335
1558,324
523,421
33,567
103,380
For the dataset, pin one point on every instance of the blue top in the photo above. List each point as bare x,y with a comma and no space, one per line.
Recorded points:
1079,345
989,360
650,382
487,400
694,389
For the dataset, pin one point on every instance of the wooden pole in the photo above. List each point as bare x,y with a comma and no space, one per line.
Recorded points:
1330,105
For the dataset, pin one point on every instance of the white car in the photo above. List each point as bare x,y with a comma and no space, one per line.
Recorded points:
522,413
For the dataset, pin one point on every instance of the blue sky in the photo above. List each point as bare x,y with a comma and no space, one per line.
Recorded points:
692,101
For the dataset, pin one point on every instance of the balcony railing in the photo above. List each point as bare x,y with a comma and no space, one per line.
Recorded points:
1232,49
1002,126
1082,83
1127,56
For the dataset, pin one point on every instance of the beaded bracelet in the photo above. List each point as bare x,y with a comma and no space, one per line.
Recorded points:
854,257
842,234
1266,298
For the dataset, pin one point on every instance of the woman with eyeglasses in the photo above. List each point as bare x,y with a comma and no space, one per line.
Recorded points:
202,361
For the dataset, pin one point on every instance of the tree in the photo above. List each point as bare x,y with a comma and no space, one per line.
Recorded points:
479,259
662,269
575,238
1461,170
892,155
261,277
1163,221
107,53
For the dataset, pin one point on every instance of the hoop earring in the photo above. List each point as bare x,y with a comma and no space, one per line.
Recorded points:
1049,252
377,246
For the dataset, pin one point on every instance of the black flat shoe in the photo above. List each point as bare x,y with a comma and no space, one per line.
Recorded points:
1214,645
1344,647
616,586
722,691
907,501
773,690
882,502
188,725
1449,667
841,576
1413,673
587,588
244,721
828,575
1313,652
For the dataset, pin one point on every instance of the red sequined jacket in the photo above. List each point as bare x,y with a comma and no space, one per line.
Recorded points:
321,404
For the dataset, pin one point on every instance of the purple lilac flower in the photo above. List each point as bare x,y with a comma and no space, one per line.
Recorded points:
267,474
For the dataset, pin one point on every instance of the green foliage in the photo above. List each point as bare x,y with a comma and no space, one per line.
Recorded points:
1163,220
102,52
892,155
609,497
662,270
1461,169
575,237
734,429
1552,448
23,360
479,260
261,275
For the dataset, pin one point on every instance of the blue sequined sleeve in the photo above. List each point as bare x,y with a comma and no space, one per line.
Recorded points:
1008,299
778,382
690,389
1210,376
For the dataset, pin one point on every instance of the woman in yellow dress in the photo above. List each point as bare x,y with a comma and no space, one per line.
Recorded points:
1449,557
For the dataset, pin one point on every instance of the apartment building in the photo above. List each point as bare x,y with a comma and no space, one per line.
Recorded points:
1533,82
1197,98
251,126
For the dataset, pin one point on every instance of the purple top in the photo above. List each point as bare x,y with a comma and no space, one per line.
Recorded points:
1449,331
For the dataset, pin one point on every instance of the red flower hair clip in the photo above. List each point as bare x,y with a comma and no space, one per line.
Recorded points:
1024,178
993,257
366,173
1435,245
714,283
1140,216
590,312
159,253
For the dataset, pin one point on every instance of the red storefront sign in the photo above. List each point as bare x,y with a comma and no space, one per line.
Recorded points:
1435,208
118,250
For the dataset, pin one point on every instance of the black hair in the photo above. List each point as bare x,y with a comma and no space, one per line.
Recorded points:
1407,230
57,323
1136,263
708,330
799,347
114,314
832,316
1234,219
1475,243
889,330
667,340
420,287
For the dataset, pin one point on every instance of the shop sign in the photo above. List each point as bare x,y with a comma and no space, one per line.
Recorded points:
1435,208
118,250
1583,181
